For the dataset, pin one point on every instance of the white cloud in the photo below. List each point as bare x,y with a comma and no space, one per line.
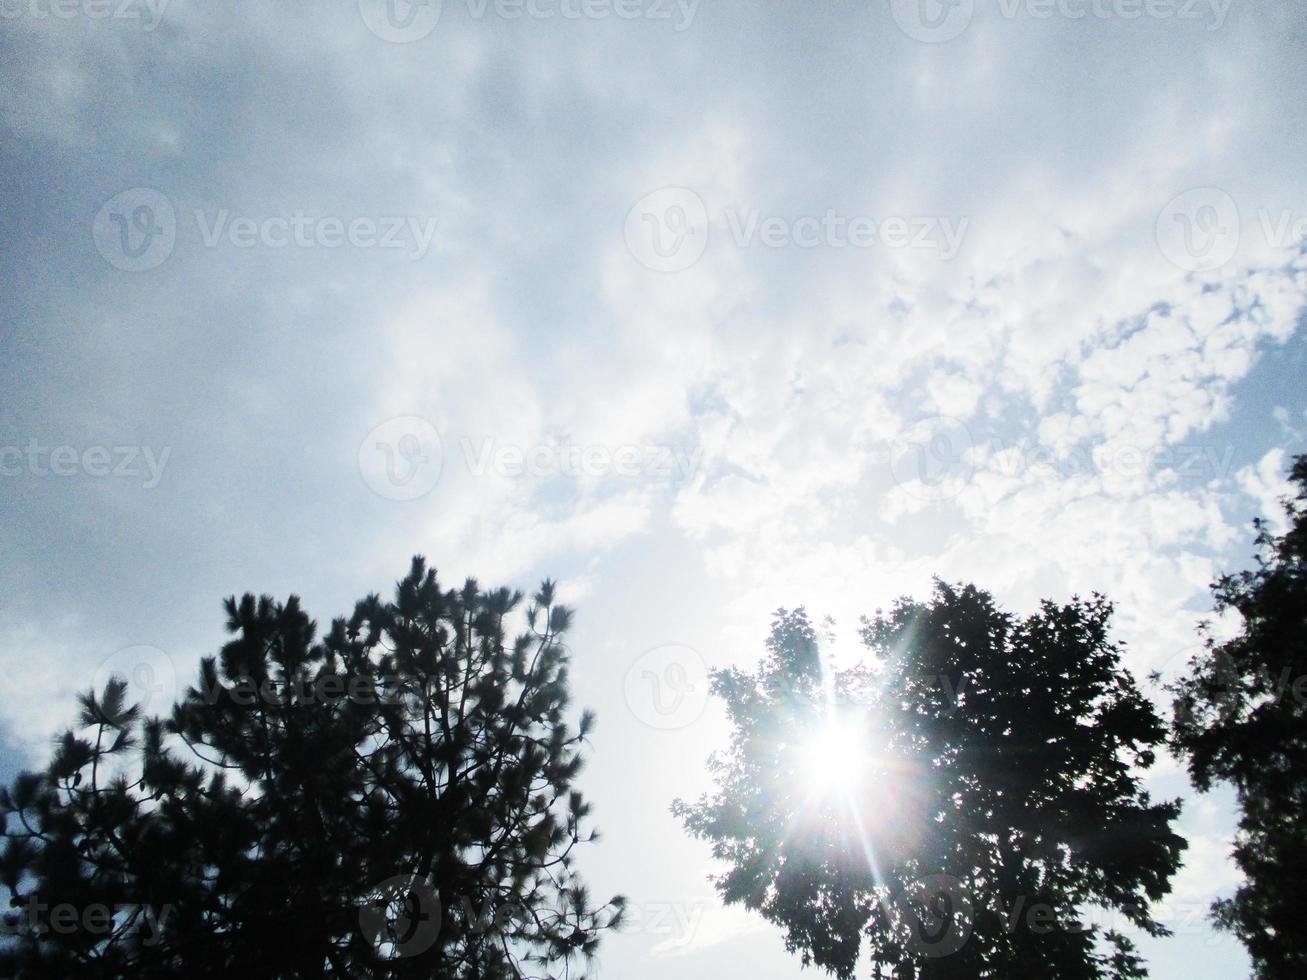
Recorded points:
1267,483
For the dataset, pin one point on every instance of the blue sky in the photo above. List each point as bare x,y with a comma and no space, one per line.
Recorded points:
662,304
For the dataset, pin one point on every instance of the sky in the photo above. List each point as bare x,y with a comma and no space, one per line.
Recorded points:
702,309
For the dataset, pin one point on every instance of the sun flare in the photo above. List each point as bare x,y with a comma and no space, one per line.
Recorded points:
835,758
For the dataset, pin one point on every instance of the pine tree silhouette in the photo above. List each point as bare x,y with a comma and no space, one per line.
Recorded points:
394,800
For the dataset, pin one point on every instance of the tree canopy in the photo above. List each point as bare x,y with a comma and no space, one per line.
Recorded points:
968,803
394,799
1241,719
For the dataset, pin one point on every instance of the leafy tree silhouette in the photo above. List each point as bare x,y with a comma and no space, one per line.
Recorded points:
394,800
965,802
1241,718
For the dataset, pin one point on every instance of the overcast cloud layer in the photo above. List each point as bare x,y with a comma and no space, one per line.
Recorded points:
702,308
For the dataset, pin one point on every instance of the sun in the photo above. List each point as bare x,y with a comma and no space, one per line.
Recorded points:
836,758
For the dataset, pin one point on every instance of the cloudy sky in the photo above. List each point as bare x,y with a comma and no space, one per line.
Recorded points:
702,308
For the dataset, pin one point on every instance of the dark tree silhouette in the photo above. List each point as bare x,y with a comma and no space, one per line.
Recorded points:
1241,718
393,800
963,802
